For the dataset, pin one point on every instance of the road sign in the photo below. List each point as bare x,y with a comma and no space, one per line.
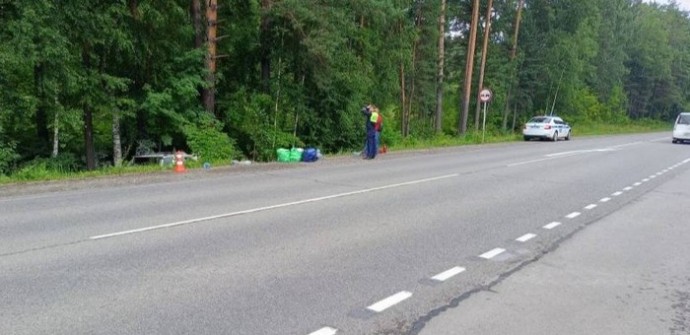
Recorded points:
485,95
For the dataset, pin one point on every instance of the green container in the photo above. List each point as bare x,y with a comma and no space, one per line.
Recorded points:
296,154
283,155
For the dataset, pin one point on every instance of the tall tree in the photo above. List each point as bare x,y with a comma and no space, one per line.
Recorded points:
469,67
438,119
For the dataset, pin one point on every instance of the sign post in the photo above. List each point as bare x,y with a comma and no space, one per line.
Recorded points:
484,97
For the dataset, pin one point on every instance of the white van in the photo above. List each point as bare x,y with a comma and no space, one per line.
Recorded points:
681,129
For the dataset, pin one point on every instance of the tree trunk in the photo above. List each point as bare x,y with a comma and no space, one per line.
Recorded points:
209,92
438,119
485,50
117,143
196,21
513,54
266,44
56,132
462,127
404,115
88,119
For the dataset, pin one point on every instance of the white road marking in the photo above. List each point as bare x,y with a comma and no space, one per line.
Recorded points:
493,253
552,225
325,331
389,302
627,188
445,275
591,206
526,237
645,180
637,184
573,215
570,153
652,177
266,208
617,193
607,199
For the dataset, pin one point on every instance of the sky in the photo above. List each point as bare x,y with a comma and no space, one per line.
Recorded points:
682,4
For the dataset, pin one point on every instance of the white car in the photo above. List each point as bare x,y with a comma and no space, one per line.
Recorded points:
546,127
681,129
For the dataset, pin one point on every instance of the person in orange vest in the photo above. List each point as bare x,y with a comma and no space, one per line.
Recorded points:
378,126
371,114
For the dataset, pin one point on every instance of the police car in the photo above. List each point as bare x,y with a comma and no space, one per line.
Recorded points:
546,127
681,129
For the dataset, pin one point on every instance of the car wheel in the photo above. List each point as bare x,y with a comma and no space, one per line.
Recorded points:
567,137
674,141
555,136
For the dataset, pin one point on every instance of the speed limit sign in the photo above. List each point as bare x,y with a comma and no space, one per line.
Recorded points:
485,95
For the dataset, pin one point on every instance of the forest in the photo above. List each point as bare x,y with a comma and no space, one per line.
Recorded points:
89,84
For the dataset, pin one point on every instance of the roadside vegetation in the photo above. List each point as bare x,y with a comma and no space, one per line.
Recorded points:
88,87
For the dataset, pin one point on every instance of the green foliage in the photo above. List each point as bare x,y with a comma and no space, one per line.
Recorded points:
297,72
8,157
207,140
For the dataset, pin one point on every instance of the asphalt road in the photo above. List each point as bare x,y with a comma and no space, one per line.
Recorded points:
340,246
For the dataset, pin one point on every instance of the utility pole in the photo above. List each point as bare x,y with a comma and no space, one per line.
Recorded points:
468,68
485,49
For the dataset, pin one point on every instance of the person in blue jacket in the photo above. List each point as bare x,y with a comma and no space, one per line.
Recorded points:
371,114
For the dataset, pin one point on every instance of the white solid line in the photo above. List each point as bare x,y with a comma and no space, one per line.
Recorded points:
389,302
627,188
617,193
261,209
493,253
607,199
445,275
526,237
552,225
591,206
573,215
530,162
325,331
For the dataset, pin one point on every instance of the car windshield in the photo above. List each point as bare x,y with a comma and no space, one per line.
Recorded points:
540,119
684,119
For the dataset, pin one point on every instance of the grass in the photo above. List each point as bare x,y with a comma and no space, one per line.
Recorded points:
40,172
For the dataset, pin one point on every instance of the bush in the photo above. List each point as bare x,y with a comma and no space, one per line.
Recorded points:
209,142
8,157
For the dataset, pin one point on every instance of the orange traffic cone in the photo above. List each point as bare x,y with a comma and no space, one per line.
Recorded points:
179,162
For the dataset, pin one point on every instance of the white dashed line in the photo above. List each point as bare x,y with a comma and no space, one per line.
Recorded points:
573,215
261,209
325,331
627,188
493,253
526,237
390,301
552,225
589,207
607,199
445,275
637,184
617,193
645,180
